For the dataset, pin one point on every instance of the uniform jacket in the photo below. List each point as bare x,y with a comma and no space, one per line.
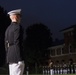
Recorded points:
14,37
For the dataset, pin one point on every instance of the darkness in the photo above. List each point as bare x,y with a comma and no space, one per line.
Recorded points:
56,14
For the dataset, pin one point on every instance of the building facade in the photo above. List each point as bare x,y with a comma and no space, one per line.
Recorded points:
64,50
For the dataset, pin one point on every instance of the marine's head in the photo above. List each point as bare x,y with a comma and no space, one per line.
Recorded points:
15,15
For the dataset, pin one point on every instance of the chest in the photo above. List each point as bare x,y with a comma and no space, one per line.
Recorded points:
10,31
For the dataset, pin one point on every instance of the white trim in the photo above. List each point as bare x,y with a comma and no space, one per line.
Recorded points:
54,47
63,54
55,51
61,51
69,48
67,30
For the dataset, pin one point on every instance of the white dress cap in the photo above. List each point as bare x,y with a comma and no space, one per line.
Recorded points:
17,11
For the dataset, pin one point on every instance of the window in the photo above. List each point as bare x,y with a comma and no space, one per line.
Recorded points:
58,51
52,52
63,51
71,49
72,33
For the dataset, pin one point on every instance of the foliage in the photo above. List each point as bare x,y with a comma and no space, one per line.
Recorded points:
4,22
38,39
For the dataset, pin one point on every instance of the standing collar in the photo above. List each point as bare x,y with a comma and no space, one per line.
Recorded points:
15,23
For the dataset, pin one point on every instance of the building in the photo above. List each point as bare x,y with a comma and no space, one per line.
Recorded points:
64,50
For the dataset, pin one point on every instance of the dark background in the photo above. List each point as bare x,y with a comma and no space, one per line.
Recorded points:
56,14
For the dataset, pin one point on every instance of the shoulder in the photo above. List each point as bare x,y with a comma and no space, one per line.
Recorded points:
16,27
8,28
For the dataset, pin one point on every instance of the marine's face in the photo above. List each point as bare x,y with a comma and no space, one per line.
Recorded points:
18,17
15,17
12,16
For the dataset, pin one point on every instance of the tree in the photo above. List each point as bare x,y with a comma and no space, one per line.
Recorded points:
4,22
38,39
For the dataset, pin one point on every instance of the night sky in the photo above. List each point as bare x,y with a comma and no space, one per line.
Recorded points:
56,14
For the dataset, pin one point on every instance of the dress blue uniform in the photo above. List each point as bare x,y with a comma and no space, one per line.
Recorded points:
14,36
13,46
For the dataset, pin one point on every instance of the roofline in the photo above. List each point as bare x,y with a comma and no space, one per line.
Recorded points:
68,28
57,46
